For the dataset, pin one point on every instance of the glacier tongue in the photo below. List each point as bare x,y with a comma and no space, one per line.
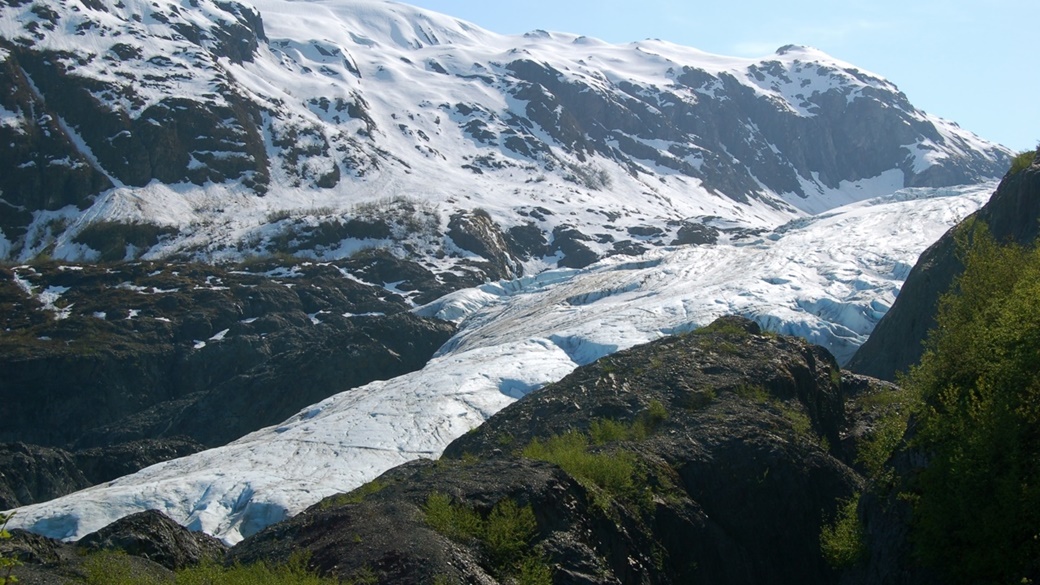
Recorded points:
827,278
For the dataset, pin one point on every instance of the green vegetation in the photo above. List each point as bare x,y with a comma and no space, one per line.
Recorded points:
754,392
893,409
977,511
842,541
118,568
1022,161
698,399
603,431
800,422
456,522
612,472
505,536
722,327
6,564
354,497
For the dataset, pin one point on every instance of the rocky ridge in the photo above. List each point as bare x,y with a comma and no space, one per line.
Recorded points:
744,452
224,129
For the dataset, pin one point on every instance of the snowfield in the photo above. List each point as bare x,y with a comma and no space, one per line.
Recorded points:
828,278
433,96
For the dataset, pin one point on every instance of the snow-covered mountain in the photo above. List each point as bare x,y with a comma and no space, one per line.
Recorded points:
209,129
795,189
828,278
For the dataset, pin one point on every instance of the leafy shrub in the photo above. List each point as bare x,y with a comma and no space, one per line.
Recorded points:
894,408
754,392
508,533
456,522
505,535
353,497
603,431
978,500
7,565
612,472
842,542
1022,161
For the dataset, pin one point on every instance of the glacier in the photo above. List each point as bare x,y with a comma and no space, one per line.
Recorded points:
827,278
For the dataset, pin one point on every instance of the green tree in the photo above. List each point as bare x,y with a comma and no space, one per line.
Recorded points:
7,565
977,513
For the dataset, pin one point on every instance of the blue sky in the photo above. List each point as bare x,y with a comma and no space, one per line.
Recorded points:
970,61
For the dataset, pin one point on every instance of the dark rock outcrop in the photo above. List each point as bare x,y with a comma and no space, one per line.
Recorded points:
1011,215
570,243
152,535
151,546
31,473
739,469
476,232
133,364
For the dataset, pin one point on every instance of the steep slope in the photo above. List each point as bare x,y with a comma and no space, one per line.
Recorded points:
1012,214
217,129
729,476
516,336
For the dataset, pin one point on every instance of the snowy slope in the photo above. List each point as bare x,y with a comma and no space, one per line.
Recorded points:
828,278
309,110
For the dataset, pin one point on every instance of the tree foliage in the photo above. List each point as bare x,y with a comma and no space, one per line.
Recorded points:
7,565
977,514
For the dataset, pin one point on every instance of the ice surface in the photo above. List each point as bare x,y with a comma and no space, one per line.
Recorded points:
827,278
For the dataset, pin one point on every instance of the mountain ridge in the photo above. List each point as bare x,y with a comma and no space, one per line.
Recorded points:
216,135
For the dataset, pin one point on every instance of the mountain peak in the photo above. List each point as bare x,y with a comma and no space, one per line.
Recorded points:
269,122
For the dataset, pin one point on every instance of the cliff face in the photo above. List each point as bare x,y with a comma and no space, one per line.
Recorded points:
1012,215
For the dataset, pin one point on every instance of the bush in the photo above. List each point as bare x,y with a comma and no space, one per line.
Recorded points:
456,522
603,431
977,515
353,497
508,533
1022,161
612,472
7,565
842,542
505,536
894,408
